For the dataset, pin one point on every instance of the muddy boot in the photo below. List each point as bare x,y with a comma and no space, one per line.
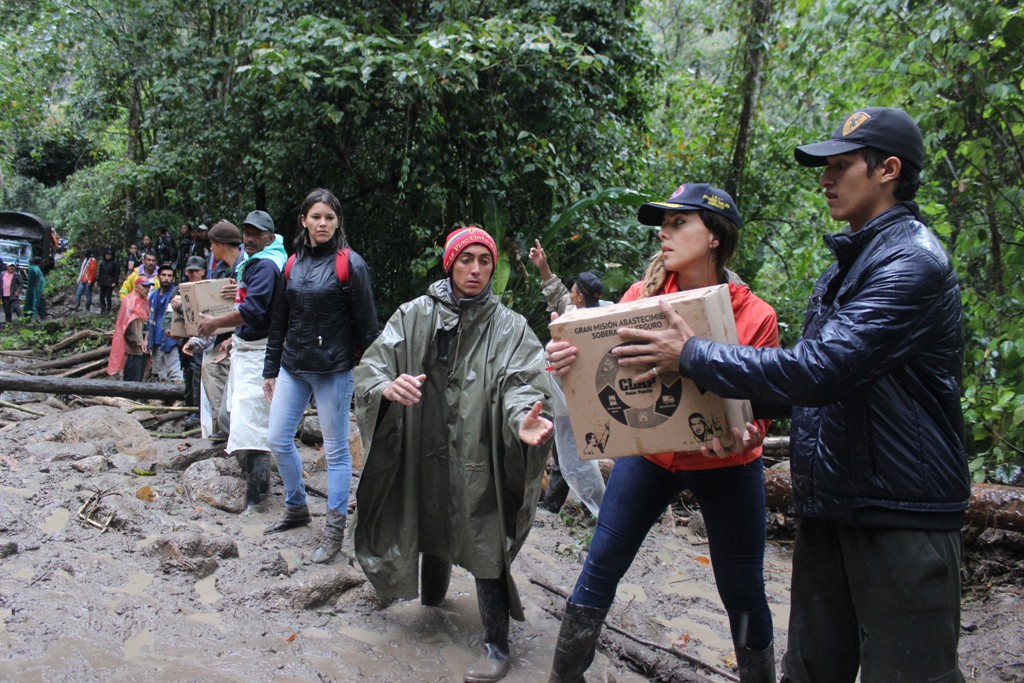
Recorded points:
492,598
293,517
257,475
435,574
334,534
577,639
756,667
558,490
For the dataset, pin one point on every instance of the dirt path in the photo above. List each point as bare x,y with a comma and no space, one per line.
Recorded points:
176,590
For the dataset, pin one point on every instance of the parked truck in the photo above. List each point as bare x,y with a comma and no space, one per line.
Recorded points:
24,236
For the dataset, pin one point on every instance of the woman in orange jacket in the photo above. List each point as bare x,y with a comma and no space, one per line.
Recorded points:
699,230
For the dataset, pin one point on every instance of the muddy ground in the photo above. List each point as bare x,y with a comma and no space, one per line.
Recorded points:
176,590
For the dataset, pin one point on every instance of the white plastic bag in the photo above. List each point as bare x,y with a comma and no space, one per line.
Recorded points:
583,476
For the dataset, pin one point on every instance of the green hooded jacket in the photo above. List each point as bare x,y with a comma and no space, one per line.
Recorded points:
449,475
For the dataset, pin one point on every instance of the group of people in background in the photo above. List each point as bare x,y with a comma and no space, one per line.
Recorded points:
454,399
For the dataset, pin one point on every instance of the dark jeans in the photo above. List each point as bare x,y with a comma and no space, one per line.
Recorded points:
105,292
732,502
882,601
134,366
8,308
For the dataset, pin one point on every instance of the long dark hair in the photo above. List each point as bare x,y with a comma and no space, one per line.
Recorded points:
320,195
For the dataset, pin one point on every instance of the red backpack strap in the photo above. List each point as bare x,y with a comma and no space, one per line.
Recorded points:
288,266
341,265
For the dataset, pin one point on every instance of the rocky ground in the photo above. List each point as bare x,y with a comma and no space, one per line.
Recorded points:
110,573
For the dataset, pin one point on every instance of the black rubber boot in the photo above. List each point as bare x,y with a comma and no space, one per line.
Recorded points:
493,665
756,667
435,574
577,640
334,534
558,490
293,517
257,474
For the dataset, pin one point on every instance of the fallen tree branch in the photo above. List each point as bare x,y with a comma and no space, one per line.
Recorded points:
169,409
79,370
91,387
91,506
68,342
68,361
178,435
671,650
15,406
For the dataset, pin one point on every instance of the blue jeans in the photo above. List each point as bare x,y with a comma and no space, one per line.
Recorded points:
333,400
83,288
732,502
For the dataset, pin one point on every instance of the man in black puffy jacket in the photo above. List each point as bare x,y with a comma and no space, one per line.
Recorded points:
879,466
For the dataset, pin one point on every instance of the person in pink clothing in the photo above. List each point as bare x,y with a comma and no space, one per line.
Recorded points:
127,346
12,285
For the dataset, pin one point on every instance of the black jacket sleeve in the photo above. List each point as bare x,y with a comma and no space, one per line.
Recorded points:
364,312
278,330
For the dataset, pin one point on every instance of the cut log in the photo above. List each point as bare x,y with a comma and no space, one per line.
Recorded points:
91,387
68,361
991,505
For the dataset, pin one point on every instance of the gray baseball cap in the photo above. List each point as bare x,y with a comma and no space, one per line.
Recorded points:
260,220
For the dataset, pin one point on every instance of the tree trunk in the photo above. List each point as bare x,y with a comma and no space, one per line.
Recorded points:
755,49
91,387
132,155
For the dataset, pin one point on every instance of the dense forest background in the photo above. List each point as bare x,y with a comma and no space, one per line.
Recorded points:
549,119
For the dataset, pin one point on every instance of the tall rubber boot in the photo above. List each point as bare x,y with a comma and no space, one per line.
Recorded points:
257,474
493,665
558,491
334,534
293,517
435,575
577,640
756,666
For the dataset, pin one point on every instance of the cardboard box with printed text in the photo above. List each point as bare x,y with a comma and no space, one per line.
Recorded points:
613,415
203,297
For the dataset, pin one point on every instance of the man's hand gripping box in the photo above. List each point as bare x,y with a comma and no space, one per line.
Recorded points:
612,414
203,297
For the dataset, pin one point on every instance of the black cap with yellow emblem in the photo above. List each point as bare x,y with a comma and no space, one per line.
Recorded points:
889,130
695,197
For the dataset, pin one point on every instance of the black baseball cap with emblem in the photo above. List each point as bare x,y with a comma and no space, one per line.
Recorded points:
891,131
695,197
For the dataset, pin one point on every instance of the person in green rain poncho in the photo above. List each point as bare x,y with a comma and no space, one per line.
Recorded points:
35,306
454,402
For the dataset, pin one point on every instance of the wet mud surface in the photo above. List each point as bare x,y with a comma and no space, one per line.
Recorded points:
176,590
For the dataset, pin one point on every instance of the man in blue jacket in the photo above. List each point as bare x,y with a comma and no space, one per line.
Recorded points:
879,466
254,301
162,348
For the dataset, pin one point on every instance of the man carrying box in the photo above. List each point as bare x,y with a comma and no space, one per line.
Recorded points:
249,408
226,249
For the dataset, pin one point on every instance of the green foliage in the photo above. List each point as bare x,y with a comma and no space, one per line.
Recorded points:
33,335
543,119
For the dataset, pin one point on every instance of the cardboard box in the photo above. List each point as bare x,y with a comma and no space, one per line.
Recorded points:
614,416
203,297
177,329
